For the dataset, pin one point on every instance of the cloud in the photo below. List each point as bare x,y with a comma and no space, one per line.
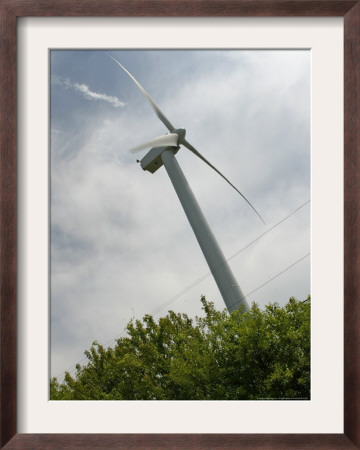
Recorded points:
87,93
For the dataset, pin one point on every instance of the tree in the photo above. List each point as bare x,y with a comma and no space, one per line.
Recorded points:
238,356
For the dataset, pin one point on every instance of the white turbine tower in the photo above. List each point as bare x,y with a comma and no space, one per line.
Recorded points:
162,152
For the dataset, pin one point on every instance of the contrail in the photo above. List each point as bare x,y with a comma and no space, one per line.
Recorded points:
87,93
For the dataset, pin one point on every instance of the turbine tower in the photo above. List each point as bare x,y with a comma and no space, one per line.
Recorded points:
162,152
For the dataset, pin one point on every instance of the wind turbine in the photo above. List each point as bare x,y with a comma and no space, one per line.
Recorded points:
162,152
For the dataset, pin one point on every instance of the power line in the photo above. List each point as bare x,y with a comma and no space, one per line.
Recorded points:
199,280
268,231
277,275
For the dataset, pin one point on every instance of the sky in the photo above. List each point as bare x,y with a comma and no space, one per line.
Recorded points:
121,246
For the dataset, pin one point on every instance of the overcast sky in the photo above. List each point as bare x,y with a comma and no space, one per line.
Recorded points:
121,246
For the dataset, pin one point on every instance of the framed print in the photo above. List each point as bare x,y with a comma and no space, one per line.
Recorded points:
96,155
19,426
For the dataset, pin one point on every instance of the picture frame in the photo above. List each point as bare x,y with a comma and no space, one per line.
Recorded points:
11,10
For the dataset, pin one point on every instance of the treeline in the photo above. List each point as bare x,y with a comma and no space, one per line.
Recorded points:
260,354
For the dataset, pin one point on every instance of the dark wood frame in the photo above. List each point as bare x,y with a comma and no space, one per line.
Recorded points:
10,11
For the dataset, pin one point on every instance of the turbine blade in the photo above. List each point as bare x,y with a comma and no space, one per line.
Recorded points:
166,140
157,110
198,154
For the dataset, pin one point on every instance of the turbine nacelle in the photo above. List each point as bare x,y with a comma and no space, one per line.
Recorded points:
152,160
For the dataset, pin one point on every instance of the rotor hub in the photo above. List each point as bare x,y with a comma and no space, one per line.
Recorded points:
181,132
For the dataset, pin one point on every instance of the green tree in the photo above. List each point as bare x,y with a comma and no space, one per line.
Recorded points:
260,354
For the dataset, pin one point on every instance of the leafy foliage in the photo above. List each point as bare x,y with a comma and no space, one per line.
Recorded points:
241,356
